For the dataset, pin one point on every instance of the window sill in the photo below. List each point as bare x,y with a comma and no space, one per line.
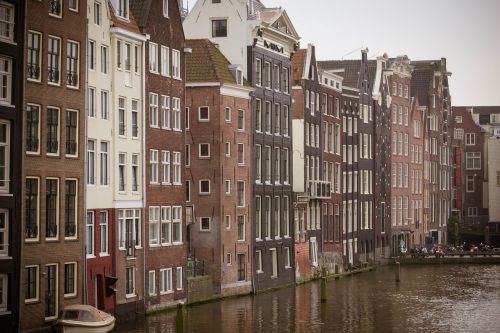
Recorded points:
69,296
103,255
33,153
166,292
129,296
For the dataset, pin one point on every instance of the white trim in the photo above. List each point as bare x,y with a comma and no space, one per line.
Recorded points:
128,204
233,90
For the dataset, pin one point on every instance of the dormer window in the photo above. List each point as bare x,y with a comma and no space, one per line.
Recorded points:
237,72
123,9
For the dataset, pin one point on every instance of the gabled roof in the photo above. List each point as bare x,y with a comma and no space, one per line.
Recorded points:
350,67
140,8
130,25
421,80
206,63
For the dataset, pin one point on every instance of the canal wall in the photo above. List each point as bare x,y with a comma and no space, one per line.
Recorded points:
443,260
200,289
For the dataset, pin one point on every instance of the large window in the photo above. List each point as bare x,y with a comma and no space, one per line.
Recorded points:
176,113
165,112
166,225
121,116
34,55
130,281
122,159
219,28
135,172
123,8
72,63
176,64
52,131
104,59
135,118
89,234
165,61
54,60
473,160
154,226
4,157
70,279
153,57
32,208
55,8
469,183
103,225
129,230
51,207
91,147
104,167
153,162
165,167
177,224
31,291
166,281
71,132
6,22
177,168
258,72
51,291
5,80
71,212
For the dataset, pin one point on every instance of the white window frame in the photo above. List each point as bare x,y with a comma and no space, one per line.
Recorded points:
166,281
104,233
5,178
165,59
199,187
176,64
4,233
200,119
177,176
203,157
75,279
10,24
36,282
153,57
205,218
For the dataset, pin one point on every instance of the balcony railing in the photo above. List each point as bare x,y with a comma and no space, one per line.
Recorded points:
55,7
72,79
53,75
33,72
319,189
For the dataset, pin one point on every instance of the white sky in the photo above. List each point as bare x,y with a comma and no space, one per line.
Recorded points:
466,32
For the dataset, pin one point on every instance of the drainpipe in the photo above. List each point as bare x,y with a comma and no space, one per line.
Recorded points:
143,173
84,245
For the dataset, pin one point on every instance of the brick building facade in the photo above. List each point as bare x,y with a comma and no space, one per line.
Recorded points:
54,162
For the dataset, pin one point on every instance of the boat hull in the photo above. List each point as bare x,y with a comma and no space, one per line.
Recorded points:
75,327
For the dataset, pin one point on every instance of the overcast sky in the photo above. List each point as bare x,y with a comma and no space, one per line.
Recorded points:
466,32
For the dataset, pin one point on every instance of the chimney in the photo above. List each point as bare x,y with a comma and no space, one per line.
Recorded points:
364,55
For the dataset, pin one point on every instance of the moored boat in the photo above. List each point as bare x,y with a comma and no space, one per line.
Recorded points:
84,319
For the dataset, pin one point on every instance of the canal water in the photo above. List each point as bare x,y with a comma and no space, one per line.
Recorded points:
428,299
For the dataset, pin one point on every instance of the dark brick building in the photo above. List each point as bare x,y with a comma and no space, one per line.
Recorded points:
12,67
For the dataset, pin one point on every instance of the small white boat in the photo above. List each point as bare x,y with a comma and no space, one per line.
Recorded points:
84,319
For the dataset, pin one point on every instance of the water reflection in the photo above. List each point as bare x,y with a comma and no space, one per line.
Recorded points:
428,299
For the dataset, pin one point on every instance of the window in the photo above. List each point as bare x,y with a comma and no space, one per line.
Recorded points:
153,110
176,64
121,171
470,183
129,230
104,104
258,261
241,154
267,217
241,227
166,280
34,55
121,116
123,9
227,184
205,223
258,217
286,223
165,167
241,120
153,57
71,132
267,164
6,22
204,186
287,258
165,61
473,160
103,224
91,101
72,64
286,117
70,209
177,168
228,222
277,119
70,279
459,134
286,80
277,165
91,162
178,279
104,167
51,207
97,13
241,194
4,157
228,149
471,211
152,283
258,72
4,232
203,114
258,163
286,166
130,282
55,8
165,8
177,224
458,119
135,168
219,28
228,259
498,178
134,118
119,54
31,291
277,217
176,113
154,226
267,75
51,291
52,131
166,225
104,59
470,139
204,150
89,232
91,55
54,54
32,208
274,262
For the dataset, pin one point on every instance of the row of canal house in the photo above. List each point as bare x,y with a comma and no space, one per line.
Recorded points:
233,148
